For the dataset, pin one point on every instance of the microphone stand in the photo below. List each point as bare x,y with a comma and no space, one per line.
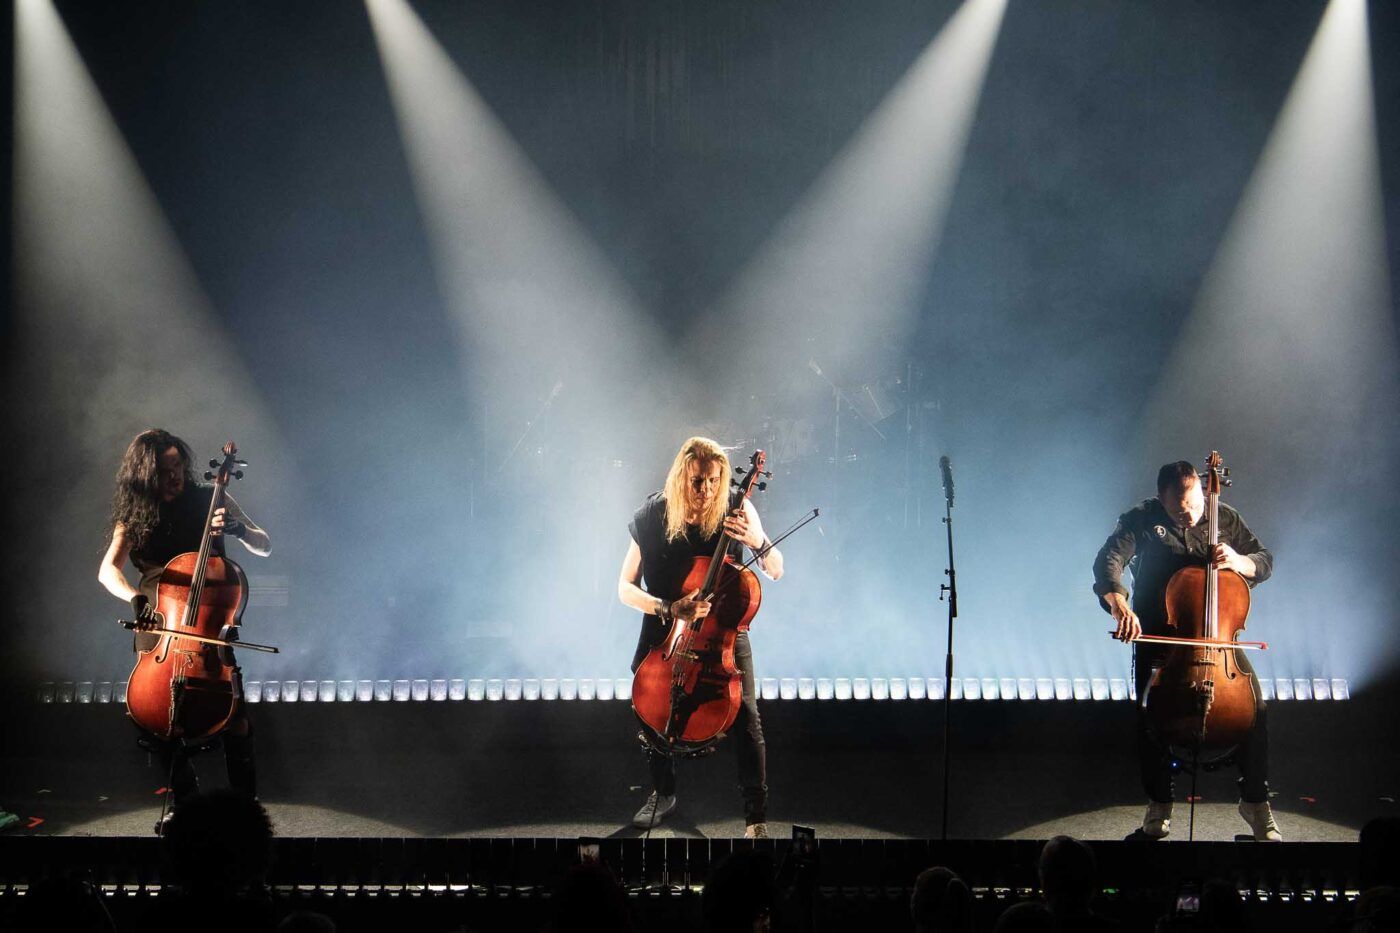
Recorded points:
950,589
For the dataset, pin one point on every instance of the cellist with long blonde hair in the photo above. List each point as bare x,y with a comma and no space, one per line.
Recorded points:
672,527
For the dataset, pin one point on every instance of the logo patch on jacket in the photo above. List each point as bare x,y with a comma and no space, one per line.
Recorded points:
1161,532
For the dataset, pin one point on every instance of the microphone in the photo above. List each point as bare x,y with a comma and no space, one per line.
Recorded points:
946,466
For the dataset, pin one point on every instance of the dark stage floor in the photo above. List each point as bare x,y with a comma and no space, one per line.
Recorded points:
1022,770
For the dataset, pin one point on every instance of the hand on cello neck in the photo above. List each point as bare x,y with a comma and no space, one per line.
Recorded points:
1227,558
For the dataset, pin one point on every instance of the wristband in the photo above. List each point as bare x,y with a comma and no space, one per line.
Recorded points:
663,611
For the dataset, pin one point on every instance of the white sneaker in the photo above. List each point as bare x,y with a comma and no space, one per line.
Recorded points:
1260,817
1158,820
654,811
756,831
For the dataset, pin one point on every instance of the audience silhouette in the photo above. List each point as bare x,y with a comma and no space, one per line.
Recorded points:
740,894
941,902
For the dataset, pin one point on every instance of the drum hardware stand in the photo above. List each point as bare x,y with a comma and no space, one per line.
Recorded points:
530,426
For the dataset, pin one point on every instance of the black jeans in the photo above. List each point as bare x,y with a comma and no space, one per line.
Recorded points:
1252,755
237,738
748,747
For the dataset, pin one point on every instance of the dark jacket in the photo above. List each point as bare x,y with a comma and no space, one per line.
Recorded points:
1150,545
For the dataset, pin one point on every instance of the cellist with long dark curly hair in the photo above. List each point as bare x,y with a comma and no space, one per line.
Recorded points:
159,511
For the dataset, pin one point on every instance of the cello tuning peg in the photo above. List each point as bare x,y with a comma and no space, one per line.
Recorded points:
208,475
762,486
241,462
768,474
237,474
738,471
213,464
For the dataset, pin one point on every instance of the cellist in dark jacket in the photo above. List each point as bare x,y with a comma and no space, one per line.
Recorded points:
1154,540
670,529
158,511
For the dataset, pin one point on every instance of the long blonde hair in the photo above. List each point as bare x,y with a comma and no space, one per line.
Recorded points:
700,450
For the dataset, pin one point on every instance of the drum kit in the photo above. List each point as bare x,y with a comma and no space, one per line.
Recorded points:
859,449
827,447
846,444
853,423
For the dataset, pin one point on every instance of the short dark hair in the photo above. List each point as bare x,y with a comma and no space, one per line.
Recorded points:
219,841
1025,917
1380,851
1177,475
741,889
941,901
1067,870
589,898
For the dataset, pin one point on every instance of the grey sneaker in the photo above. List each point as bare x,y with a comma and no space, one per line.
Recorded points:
1158,820
1260,817
654,811
756,831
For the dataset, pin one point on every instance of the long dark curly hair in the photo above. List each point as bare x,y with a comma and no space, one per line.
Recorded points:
136,503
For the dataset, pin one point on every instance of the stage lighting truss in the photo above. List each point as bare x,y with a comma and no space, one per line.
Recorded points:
529,689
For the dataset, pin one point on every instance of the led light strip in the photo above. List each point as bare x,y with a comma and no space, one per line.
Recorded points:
770,688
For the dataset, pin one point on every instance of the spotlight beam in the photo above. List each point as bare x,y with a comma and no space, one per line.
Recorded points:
535,304
1289,355
114,332
847,266
534,300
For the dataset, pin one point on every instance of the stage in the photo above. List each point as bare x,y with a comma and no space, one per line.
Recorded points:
471,811
467,284
850,769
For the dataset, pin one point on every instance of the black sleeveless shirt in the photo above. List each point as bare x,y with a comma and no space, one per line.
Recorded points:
178,528
666,563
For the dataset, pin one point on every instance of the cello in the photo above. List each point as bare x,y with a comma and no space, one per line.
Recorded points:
1201,699
687,690
186,686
